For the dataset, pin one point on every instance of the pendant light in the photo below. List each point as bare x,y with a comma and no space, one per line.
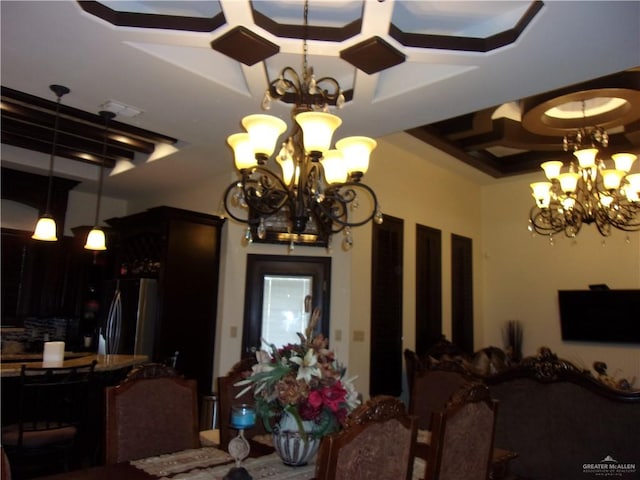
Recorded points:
46,229
96,239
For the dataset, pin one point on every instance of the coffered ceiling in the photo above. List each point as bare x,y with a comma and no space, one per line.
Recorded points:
474,78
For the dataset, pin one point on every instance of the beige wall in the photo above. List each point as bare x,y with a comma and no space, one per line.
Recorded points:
515,276
523,273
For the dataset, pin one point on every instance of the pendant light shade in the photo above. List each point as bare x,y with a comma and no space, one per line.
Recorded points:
46,229
96,238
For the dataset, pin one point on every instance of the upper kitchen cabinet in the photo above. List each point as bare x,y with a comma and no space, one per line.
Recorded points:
181,249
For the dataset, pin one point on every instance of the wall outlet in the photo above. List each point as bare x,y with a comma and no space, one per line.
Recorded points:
233,332
358,336
338,335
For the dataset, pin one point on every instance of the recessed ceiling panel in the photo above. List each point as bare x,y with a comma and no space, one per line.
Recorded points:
181,8
334,13
458,18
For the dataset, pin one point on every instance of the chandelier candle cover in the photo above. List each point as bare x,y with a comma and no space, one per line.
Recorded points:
589,192
319,192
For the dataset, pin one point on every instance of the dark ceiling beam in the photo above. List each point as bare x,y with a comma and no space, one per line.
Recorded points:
15,97
28,122
427,135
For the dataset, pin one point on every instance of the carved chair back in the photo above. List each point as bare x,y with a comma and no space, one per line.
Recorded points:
377,441
152,412
462,436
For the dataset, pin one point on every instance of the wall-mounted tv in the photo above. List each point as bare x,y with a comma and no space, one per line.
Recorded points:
604,316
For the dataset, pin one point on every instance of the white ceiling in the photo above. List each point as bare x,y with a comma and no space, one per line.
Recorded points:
188,91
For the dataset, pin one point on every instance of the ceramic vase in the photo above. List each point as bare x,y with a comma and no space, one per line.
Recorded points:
292,447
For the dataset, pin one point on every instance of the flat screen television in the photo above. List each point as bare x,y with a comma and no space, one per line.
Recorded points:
604,316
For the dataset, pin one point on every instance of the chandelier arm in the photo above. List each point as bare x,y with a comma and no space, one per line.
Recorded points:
621,215
226,200
342,195
267,194
546,221
334,83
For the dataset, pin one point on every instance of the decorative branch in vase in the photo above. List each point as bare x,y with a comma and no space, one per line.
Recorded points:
512,337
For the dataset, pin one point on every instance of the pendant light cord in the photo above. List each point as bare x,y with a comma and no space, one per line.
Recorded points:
53,151
106,115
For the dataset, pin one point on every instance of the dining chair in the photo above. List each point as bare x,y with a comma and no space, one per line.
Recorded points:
5,466
462,436
377,441
153,411
51,421
227,397
430,392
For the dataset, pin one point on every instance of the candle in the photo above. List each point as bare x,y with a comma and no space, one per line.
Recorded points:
243,416
53,353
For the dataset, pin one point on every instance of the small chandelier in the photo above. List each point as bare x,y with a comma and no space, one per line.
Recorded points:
319,192
46,229
589,192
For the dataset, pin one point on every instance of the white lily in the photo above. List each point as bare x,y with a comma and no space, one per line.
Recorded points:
307,366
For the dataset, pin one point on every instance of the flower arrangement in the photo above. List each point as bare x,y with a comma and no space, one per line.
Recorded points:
303,380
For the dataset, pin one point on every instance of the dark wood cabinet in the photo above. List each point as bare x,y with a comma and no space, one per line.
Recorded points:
181,249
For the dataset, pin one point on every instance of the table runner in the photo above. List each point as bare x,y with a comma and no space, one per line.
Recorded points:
210,463
183,461
266,467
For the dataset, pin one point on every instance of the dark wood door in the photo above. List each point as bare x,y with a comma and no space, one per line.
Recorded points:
259,266
462,292
386,308
428,287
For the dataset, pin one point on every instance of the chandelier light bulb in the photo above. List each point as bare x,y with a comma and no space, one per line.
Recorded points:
551,169
606,200
541,193
611,178
334,167
586,157
286,164
317,130
356,152
633,188
263,131
568,181
244,156
624,161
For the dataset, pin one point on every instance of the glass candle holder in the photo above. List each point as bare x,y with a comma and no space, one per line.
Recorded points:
243,416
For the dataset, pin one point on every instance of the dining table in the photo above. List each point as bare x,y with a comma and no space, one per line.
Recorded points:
205,463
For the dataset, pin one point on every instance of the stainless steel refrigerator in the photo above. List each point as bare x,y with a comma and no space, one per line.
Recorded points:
129,323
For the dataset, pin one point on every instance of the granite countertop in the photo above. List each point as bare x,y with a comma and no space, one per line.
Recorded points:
105,362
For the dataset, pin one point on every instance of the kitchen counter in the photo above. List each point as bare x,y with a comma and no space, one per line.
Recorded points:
105,363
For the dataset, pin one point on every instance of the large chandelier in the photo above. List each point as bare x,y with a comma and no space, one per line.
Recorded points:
589,192
319,191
